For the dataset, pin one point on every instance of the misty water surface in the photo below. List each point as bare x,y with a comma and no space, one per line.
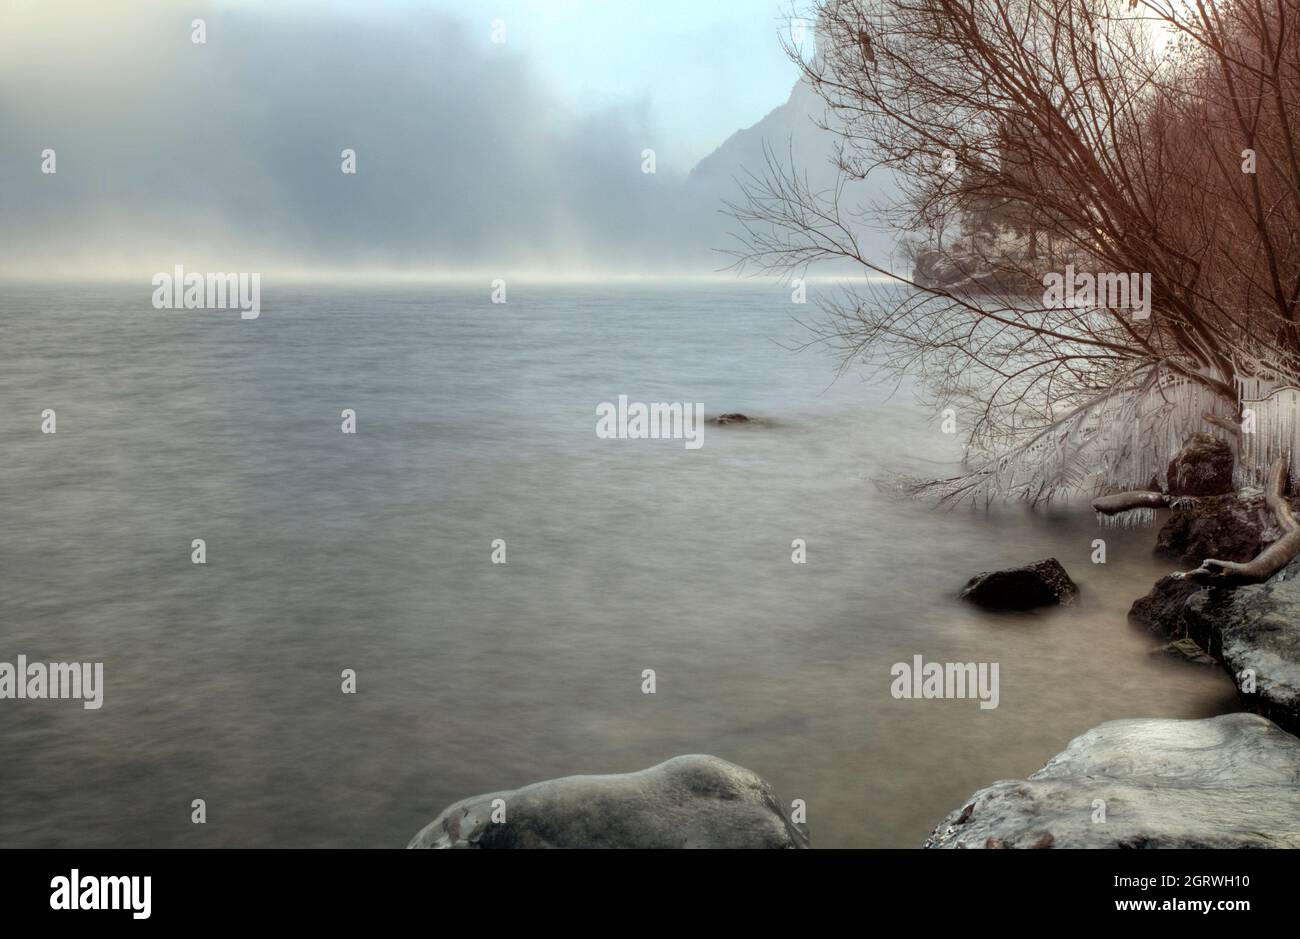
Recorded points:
476,422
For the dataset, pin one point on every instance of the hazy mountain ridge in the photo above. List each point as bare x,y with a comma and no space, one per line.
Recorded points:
791,135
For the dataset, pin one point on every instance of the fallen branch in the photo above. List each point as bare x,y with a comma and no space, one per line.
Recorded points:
1125,501
1269,561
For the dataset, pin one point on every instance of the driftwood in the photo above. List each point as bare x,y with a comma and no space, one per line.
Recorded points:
1269,561
1125,501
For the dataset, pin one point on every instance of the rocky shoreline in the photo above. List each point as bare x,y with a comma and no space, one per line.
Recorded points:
1220,782
1253,631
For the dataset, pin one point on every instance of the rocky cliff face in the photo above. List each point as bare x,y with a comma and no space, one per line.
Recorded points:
790,133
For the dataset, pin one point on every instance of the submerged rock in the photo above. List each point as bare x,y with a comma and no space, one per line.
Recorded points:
1222,782
691,801
1186,650
729,419
1021,588
1202,468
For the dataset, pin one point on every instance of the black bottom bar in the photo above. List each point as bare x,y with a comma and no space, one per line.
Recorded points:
440,888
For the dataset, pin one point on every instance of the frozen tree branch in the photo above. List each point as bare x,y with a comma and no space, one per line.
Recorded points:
1034,136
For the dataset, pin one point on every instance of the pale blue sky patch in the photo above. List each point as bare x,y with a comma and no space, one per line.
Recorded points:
696,70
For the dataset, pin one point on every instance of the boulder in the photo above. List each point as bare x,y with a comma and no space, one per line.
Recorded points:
1161,610
1202,468
1021,588
1230,528
691,801
1255,632
1222,782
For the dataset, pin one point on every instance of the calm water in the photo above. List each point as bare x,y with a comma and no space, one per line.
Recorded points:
476,421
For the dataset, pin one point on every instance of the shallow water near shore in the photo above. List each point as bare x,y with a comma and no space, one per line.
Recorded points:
372,552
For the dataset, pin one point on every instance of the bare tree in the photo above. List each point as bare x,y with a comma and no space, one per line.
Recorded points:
1031,138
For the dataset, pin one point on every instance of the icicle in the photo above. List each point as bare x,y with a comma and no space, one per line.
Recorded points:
1132,518
1276,433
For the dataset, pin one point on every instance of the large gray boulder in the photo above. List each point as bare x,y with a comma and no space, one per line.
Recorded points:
1042,583
1223,782
691,801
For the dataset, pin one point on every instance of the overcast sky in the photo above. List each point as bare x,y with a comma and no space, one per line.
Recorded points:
471,155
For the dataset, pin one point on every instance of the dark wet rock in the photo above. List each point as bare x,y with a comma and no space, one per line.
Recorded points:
1230,528
1202,468
1185,650
1223,782
729,419
1161,610
1255,632
1021,588
691,801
